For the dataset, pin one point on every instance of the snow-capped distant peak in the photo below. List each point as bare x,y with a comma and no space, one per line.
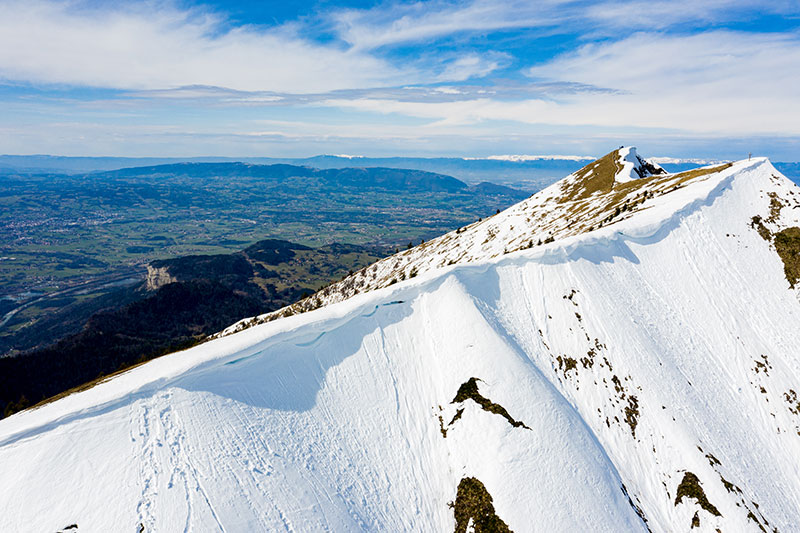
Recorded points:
634,167
521,158
347,156
681,160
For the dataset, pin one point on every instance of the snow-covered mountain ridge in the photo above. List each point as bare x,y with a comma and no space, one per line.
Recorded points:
638,375
602,194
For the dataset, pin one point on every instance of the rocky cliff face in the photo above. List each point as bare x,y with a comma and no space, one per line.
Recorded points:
157,277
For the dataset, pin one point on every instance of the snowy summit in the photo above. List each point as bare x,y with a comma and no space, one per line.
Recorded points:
618,352
634,167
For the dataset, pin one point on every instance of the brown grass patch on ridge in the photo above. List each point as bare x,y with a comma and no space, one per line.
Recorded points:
787,244
596,176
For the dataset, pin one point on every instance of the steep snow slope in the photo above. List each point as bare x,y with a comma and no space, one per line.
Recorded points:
650,367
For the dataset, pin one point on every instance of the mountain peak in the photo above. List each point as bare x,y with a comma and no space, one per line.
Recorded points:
634,166
613,169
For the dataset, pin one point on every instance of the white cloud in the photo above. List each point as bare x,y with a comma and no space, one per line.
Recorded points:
53,41
418,21
470,66
718,63
453,113
157,46
726,82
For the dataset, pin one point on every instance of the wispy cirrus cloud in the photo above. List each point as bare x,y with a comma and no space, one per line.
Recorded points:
638,15
398,23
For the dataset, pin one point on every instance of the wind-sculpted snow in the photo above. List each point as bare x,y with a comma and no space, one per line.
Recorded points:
654,363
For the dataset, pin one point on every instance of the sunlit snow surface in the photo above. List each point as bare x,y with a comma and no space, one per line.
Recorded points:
329,420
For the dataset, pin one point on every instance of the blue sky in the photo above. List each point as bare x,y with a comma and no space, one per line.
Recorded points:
705,79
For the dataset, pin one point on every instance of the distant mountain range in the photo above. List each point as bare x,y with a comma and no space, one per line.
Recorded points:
365,178
452,165
532,172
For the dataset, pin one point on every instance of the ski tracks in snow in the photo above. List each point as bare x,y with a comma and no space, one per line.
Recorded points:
165,464
147,465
